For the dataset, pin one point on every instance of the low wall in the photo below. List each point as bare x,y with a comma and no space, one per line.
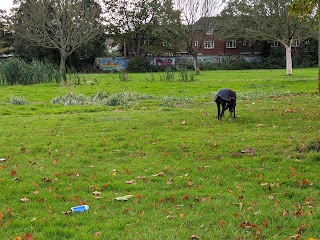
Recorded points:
118,64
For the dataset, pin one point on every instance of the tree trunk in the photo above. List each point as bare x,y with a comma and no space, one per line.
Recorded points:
196,64
62,68
288,60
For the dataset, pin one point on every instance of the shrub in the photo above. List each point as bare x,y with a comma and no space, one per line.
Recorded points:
17,101
139,64
16,71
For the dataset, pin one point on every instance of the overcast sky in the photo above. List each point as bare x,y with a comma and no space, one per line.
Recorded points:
6,4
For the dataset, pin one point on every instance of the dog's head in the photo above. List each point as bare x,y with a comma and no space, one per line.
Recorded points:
231,104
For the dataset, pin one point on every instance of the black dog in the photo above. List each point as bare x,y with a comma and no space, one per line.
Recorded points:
228,100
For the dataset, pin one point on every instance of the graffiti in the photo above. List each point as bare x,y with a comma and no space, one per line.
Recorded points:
118,64
110,64
164,61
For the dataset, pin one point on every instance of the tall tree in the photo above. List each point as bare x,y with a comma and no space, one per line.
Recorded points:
64,25
309,9
266,20
197,19
6,32
143,25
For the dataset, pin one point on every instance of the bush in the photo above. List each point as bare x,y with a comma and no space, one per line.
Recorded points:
17,101
139,64
16,71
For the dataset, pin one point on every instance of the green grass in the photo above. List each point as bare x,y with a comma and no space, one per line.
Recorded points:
191,177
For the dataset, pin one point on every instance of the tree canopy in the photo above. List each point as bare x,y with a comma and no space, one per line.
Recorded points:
266,20
64,25
145,25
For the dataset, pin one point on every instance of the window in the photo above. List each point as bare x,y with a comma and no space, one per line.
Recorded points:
210,31
208,44
196,44
274,44
231,44
296,43
166,44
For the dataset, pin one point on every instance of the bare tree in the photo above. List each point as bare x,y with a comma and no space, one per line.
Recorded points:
197,22
64,25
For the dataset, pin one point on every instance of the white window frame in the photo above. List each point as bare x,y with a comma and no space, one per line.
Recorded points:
296,43
210,31
274,44
208,44
231,44
196,44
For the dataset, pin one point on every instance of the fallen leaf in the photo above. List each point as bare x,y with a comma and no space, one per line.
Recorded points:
2,159
190,183
170,181
194,237
67,212
18,238
24,199
16,178
1,215
55,161
181,215
161,174
46,180
28,236
248,150
13,173
97,234
96,194
124,198
131,182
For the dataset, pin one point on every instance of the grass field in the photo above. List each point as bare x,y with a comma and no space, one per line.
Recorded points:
190,176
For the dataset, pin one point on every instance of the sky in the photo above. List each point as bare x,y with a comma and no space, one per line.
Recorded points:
6,4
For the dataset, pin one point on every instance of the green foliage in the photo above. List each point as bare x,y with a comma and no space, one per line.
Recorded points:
100,98
138,64
16,100
167,76
16,71
124,76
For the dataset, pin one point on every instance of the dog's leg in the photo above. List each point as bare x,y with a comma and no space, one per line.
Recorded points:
234,112
218,106
224,108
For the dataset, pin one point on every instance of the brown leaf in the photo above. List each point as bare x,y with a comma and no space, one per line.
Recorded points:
221,223
67,212
190,183
161,174
28,236
46,179
194,237
24,199
248,150
13,173
170,181
97,234
131,182
1,215
55,161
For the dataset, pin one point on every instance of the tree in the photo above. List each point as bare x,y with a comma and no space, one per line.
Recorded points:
64,25
144,25
197,18
6,32
265,20
309,9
